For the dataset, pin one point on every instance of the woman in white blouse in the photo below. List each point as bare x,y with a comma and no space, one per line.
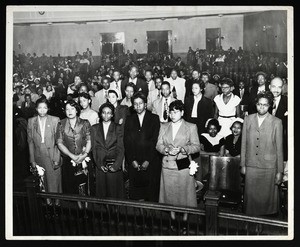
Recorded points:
227,106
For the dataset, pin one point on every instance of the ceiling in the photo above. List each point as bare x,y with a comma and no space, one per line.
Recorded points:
71,14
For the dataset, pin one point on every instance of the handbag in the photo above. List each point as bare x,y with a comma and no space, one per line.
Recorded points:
183,163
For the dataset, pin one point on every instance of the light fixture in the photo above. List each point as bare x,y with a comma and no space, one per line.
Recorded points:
220,15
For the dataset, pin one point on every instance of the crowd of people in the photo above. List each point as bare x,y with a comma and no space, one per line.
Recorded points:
147,117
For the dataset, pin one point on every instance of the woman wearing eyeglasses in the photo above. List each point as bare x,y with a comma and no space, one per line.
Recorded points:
262,158
227,106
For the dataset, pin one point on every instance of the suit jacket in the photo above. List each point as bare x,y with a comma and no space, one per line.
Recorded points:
111,148
252,96
204,111
281,110
98,100
34,139
139,140
121,112
179,85
152,96
245,98
186,137
141,85
262,146
157,107
188,86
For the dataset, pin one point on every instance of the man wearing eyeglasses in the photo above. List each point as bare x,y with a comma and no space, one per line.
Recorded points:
262,158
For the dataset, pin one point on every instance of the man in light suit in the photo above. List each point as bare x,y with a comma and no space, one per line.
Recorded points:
140,84
177,85
160,106
262,158
149,80
154,94
102,95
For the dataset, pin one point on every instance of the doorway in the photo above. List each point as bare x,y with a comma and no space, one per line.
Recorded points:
112,43
213,39
159,41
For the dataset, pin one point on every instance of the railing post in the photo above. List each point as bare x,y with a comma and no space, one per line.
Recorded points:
211,211
32,184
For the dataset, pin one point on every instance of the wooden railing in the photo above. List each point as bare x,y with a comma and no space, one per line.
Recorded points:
109,217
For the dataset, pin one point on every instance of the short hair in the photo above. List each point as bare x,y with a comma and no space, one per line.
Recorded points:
139,95
105,78
159,77
215,123
236,121
227,81
40,101
83,85
110,106
116,70
267,95
206,74
84,95
134,66
176,105
27,95
15,98
148,70
196,70
201,84
113,91
166,83
174,70
74,104
130,84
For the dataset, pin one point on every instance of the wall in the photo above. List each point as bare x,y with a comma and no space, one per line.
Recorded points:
273,39
68,39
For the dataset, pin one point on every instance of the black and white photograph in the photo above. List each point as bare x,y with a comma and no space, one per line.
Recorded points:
149,122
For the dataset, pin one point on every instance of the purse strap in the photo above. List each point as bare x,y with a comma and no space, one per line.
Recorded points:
189,156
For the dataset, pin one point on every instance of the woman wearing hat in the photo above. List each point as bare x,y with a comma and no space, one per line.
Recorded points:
227,106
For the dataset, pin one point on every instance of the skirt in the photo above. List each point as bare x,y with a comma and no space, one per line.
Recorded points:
177,188
261,193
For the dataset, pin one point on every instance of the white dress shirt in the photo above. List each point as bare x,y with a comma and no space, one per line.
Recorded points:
105,128
261,89
141,117
116,85
260,119
133,80
195,106
175,128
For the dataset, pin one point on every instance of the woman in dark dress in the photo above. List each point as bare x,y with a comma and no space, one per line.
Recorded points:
233,142
197,108
108,154
74,141
212,141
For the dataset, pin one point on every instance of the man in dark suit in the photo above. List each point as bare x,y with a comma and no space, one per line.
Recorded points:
140,84
279,109
140,138
262,86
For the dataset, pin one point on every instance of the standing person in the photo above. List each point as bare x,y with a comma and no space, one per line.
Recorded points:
43,151
189,83
279,109
149,80
227,106
121,111
108,153
28,107
177,140
211,90
262,158
140,137
154,94
197,108
74,141
86,111
129,92
116,84
102,95
261,86
161,106
177,85
140,84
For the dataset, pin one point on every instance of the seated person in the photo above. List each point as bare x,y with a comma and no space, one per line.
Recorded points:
212,141
233,142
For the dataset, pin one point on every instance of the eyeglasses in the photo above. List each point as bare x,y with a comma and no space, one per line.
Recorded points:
264,105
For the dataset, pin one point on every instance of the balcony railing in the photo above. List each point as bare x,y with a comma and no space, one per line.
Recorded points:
109,217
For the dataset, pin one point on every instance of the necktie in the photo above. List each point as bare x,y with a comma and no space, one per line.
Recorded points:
165,114
117,87
158,95
241,93
174,93
106,94
274,108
